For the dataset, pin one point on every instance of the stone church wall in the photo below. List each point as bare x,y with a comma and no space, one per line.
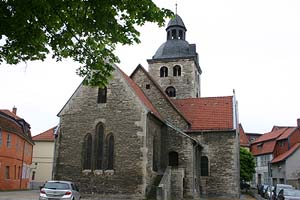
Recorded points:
125,117
221,148
159,101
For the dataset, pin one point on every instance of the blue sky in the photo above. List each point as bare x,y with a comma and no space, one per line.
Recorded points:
250,46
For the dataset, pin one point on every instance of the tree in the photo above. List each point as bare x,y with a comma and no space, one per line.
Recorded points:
247,165
85,30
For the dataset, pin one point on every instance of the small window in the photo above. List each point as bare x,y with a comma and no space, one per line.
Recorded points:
171,91
168,35
102,95
180,35
174,34
7,172
204,166
164,72
8,141
173,158
147,86
176,70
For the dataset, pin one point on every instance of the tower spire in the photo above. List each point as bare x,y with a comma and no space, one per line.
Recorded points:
176,7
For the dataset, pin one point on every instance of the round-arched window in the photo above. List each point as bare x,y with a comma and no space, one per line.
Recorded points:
163,71
171,91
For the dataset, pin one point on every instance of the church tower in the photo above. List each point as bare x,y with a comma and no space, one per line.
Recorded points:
175,65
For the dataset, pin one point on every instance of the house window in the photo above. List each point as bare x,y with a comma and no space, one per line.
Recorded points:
173,158
7,172
8,141
110,151
176,70
87,152
204,166
171,91
164,72
99,146
259,146
102,95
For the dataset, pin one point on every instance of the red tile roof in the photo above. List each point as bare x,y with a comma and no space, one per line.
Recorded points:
287,133
45,136
270,136
141,95
266,148
8,112
285,155
244,142
210,113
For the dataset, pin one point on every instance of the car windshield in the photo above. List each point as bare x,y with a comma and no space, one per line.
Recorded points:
57,186
288,192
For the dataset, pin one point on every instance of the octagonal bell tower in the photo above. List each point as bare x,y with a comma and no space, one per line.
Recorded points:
175,65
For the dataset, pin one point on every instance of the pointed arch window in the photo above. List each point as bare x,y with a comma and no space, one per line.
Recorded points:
176,70
102,95
171,91
99,136
163,71
110,151
87,151
204,166
173,158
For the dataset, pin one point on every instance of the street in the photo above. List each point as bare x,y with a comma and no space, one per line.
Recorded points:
20,195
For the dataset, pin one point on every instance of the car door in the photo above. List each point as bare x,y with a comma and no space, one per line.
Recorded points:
75,191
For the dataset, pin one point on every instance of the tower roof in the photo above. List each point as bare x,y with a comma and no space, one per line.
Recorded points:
176,21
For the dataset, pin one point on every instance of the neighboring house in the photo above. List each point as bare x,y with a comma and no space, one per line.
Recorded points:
252,136
151,132
15,151
286,167
286,162
244,141
42,160
276,154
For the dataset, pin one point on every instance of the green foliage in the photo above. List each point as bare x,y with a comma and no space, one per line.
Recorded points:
247,165
85,30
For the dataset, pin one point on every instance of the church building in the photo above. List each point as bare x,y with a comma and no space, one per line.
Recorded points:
151,135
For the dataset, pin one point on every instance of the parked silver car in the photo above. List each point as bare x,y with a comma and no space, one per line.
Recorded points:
58,190
279,187
289,194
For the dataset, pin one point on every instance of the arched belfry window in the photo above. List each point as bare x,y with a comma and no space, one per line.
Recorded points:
176,70
173,158
110,151
87,152
102,95
99,137
204,166
171,91
163,71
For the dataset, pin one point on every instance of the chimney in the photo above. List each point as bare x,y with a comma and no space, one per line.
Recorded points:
14,110
298,122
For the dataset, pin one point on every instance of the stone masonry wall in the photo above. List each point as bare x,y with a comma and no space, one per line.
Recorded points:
221,150
125,117
187,85
158,100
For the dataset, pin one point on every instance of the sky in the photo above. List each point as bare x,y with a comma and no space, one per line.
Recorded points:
252,47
